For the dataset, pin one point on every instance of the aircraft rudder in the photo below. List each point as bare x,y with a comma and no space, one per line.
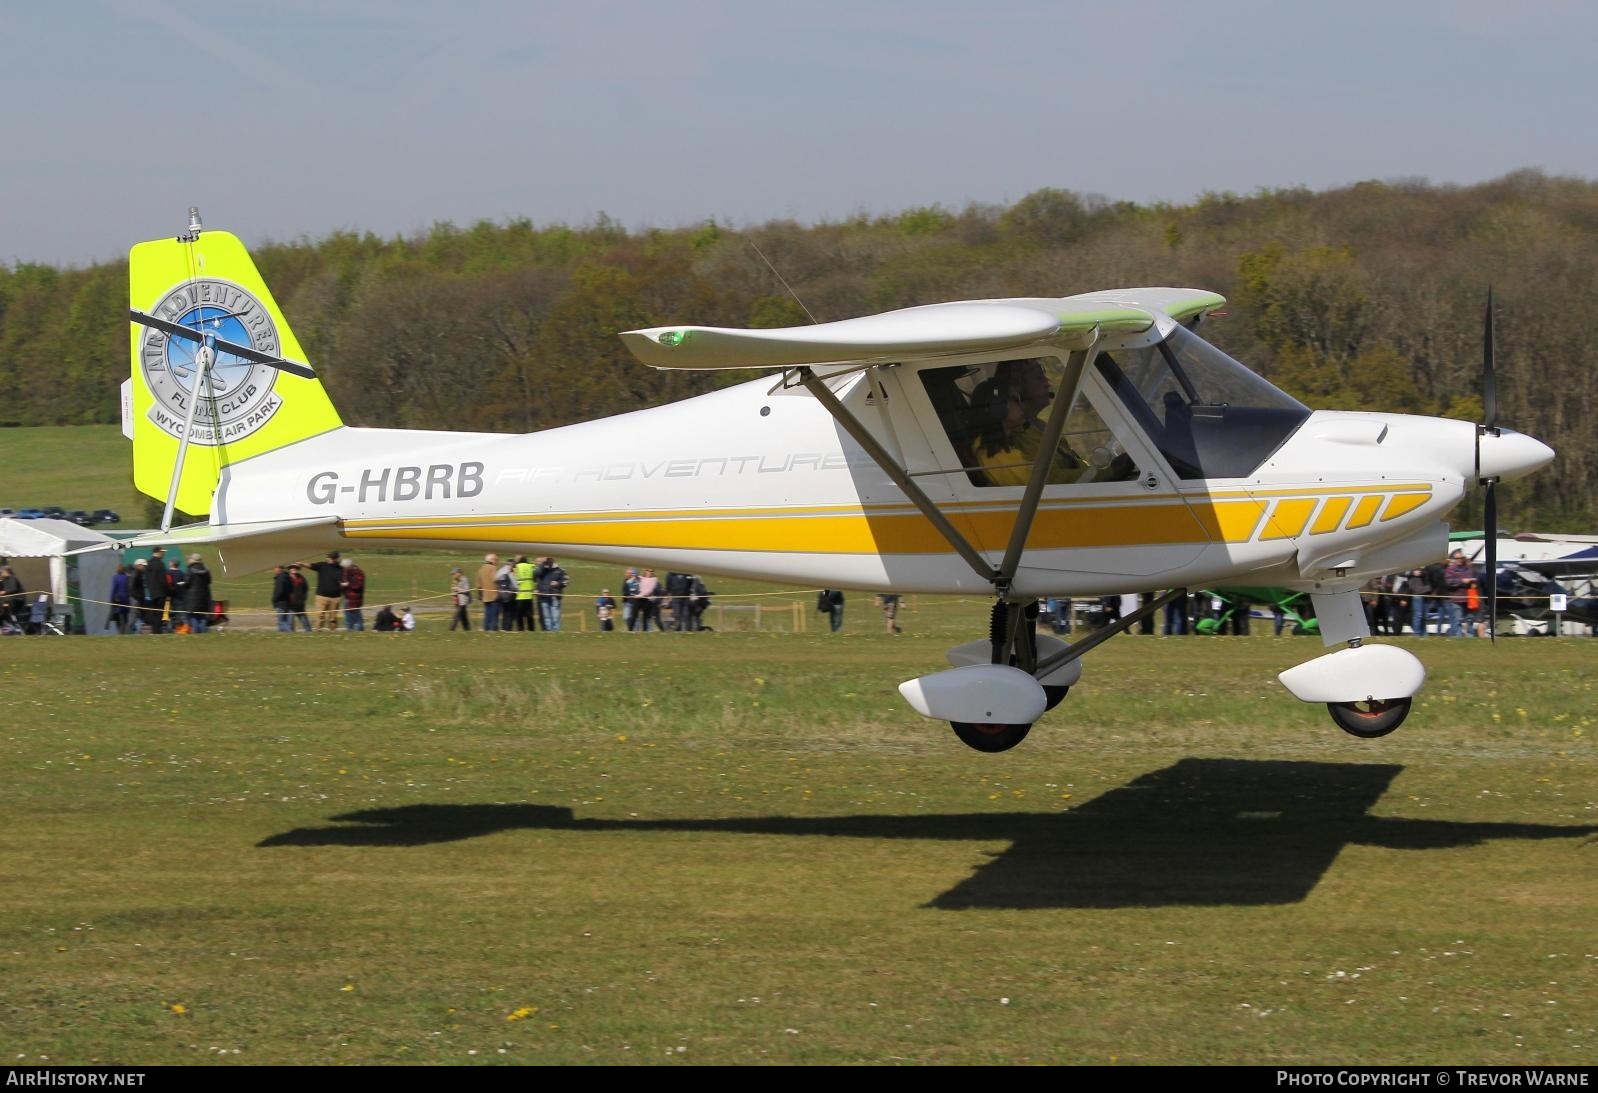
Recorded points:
207,282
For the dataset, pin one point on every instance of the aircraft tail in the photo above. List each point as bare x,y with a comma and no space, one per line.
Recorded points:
213,357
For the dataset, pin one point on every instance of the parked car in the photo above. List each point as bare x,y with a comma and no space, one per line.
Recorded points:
79,517
30,514
105,516
54,512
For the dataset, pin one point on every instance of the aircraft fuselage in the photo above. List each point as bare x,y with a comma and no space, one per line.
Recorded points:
760,482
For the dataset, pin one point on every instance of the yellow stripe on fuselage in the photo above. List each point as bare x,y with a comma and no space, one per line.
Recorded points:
861,532
1083,523
1403,504
1288,517
1331,517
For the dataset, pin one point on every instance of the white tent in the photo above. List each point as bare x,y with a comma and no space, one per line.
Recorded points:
44,555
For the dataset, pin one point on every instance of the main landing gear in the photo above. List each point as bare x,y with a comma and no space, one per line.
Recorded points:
997,688
989,738
1012,640
1372,718
1016,671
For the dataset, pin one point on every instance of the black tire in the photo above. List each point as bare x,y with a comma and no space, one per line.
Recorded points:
1369,720
990,738
1053,696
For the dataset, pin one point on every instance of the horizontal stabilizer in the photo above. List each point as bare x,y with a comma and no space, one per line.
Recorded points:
249,548
200,337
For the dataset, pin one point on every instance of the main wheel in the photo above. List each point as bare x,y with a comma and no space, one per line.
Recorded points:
1053,695
1370,719
990,738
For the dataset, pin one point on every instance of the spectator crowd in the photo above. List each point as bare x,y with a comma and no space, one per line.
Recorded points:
155,595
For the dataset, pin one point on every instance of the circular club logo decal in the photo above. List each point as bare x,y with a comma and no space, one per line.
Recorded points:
235,396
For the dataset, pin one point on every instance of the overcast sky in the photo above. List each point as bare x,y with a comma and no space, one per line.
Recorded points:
300,117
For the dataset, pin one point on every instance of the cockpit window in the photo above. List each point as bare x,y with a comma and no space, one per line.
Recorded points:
995,414
1208,415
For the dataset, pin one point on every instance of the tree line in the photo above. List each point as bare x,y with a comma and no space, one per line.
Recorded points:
1369,296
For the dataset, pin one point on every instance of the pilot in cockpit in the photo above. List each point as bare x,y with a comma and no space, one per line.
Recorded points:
1009,434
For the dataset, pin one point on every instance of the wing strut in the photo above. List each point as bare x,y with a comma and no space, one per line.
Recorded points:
171,329
880,455
1002,575
1070,384
1098,637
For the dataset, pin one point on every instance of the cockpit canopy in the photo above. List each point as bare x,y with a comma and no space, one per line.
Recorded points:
1209,416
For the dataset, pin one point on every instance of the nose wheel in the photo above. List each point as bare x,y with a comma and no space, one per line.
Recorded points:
990,738
1370,719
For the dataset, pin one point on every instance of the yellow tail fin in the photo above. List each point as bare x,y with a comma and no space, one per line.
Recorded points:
206,282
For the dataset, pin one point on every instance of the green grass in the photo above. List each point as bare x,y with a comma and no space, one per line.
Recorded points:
77,467
743,848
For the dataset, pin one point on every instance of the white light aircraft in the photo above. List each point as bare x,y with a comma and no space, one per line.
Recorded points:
1018,448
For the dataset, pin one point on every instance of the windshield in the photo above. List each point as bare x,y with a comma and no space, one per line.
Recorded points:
1210,416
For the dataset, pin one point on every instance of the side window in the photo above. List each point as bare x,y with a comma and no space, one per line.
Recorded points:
1090,440
994,415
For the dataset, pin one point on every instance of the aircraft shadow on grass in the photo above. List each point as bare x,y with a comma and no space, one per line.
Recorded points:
1199,832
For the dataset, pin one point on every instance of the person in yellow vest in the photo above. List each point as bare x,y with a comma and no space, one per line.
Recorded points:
524,593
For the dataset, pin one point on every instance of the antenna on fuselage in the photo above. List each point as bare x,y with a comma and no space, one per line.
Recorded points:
784,282
1489,427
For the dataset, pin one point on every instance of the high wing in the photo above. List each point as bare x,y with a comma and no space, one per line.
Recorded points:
933,330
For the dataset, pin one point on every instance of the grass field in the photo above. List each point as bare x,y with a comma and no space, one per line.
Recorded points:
741,847
76,467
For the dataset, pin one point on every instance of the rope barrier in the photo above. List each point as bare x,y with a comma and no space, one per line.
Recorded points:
793,603
722,598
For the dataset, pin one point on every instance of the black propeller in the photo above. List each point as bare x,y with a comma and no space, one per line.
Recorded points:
1489,427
